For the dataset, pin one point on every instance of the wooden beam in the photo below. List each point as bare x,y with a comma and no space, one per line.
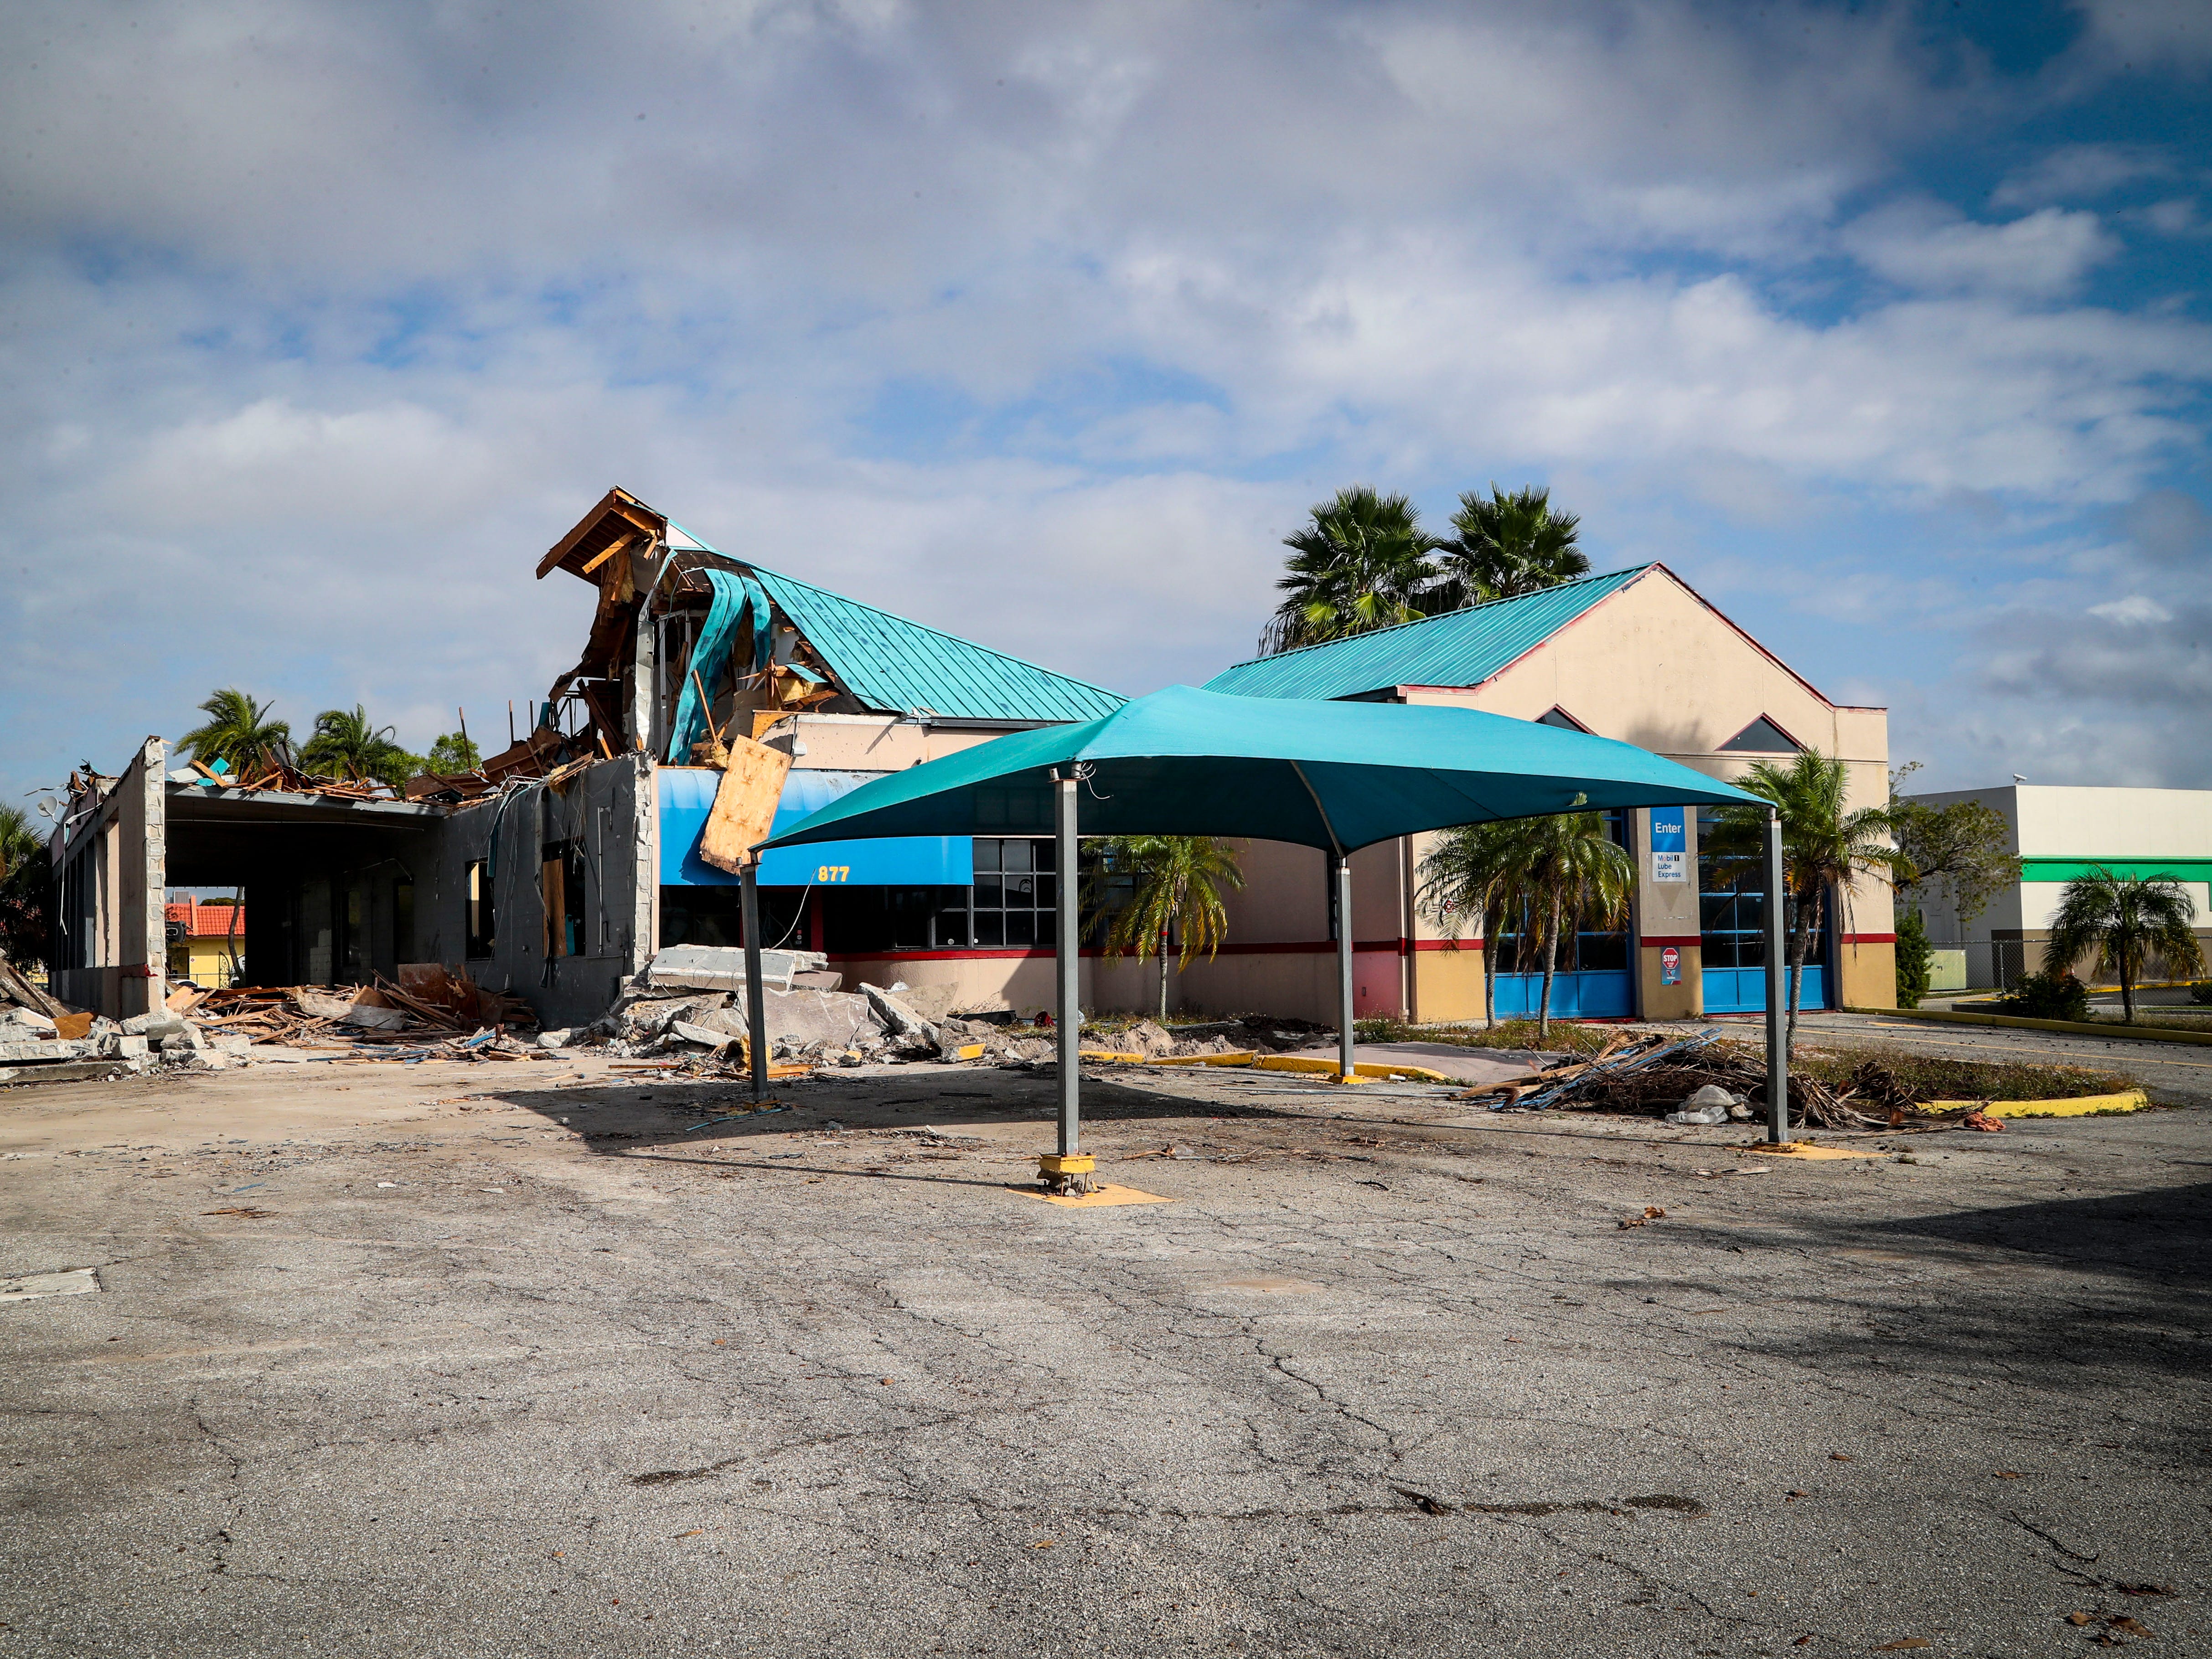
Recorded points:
620,503
607,552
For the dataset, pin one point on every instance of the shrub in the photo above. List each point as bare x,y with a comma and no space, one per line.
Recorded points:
2048,995
1914,959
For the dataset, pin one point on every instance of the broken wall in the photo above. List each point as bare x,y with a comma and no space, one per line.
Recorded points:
572,873
111,948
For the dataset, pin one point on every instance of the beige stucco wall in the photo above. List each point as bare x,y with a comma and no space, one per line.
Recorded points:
1654,665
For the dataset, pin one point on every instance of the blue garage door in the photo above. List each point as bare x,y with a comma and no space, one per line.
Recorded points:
1743,990
1601,994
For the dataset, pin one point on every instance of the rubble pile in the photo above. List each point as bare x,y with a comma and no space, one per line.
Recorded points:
1696,1081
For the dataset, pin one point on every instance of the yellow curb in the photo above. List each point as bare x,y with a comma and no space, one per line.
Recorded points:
1107,1195
2135,1100
2070,1027
1270,1063
1367,1068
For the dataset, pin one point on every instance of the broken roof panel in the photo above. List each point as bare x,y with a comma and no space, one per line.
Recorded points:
1461,647
888,662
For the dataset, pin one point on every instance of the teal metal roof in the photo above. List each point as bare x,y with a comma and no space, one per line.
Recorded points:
1462,648
888,662
891,662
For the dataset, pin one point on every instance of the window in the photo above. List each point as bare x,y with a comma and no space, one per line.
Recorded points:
1560,718
1589,951
1016,893
561,880
478,921
715,916
1732,909
1762,737
858,921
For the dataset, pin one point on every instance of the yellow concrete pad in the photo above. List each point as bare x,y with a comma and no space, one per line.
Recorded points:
1807,1150
969,1051
2135,1100
1107,1195
1111,1055
1234,1057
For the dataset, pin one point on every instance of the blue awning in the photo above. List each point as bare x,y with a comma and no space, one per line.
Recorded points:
687,796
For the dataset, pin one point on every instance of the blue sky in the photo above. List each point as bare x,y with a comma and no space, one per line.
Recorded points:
1885,327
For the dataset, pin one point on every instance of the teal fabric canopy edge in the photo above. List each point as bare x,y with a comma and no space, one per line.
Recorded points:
1334,775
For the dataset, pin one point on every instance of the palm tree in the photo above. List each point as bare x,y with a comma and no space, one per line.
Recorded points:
1571,872
1470,876
346,745
1507,544
2125,920
239,732
1178,880
1823,845
25,878
1361,563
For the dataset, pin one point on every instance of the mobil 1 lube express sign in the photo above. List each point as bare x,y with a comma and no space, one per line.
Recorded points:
1670,844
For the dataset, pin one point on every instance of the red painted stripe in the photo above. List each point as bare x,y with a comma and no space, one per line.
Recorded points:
1679,941
1868,939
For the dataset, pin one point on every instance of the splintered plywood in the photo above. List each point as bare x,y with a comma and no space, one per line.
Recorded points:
744,804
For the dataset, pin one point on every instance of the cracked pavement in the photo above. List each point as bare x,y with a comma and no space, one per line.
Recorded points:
502,1360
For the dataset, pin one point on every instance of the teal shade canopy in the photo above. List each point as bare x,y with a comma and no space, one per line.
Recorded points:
1335,775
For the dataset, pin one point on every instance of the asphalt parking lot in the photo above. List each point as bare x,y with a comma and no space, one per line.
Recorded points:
515,1360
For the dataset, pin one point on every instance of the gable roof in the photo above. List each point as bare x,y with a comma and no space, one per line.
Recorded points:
888,662
1461,647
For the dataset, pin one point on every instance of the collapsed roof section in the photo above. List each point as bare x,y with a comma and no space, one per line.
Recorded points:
688,644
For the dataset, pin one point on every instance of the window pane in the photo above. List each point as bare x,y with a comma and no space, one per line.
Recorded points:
1021,927
1043,854
990,892
952,929
1021,892
1044,893
1015,854
990,929
987,853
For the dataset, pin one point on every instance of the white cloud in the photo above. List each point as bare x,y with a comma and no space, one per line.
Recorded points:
1932,249
2134,608
329,319
2077,173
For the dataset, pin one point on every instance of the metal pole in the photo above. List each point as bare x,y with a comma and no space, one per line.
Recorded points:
1067,963
756,992
1777,997
1344,967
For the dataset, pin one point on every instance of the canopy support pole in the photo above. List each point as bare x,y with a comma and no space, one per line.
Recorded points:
1347,1071
756,992
1067,1171
1778,978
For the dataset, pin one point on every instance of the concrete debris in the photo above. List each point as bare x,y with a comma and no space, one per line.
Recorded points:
36,1050
722,967
899,1017
25,1025
559,1039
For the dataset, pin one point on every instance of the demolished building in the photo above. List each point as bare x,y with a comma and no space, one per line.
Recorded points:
556,869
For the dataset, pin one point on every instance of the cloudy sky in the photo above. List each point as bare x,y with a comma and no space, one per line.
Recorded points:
1887,326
